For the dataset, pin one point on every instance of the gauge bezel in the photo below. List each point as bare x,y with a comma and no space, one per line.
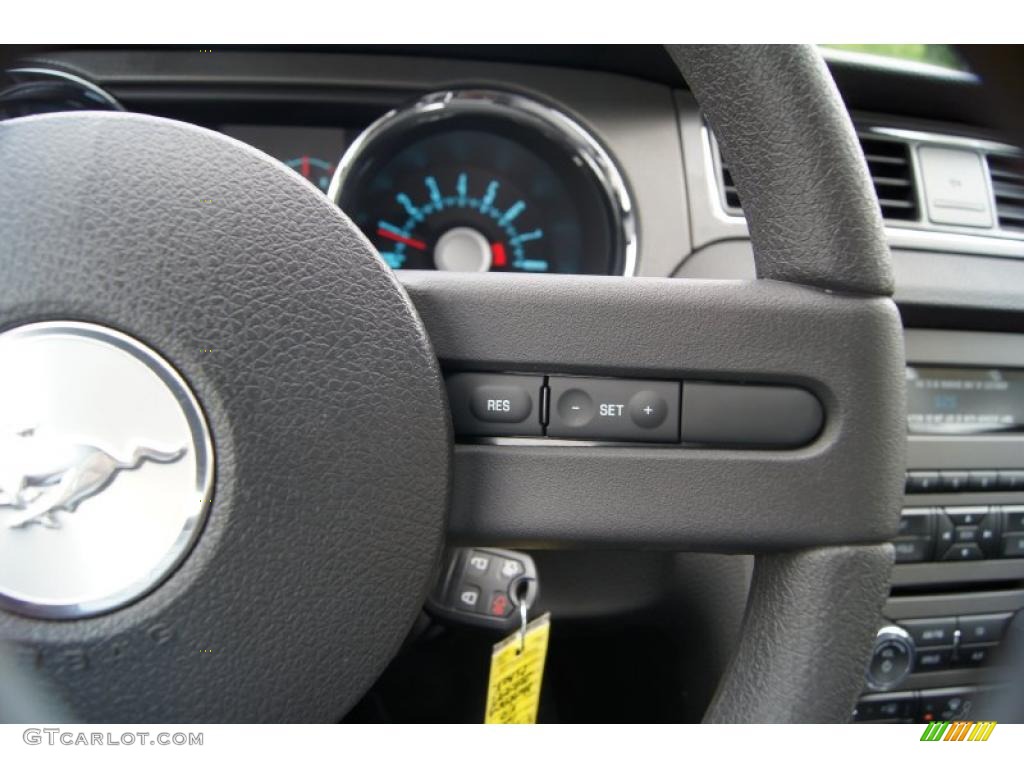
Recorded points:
23,75
555,124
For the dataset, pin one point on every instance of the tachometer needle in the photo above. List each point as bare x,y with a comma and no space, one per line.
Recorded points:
419,245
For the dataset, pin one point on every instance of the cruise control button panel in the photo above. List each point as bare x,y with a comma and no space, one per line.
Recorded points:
613,409
624,410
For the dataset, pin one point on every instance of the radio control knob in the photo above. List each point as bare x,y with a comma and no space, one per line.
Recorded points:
892,658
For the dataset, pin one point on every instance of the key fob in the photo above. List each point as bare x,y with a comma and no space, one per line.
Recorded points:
484,587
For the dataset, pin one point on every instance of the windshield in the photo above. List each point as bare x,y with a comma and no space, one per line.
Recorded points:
920,53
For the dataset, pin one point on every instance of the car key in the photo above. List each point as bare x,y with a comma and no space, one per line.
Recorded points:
485,588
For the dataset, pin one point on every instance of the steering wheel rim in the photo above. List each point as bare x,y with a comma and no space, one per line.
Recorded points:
776,155
777,115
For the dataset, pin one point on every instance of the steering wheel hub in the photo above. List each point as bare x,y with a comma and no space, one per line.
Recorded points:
158,253
106,479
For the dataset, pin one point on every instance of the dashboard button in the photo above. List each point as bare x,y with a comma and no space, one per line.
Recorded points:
1014,516
614,409
974,656
966,533
1011,480
955,186
916,522
946,704
892,658
953,481
886,706
495,404
928,633
983,480
988,533
964,552
1013,545
966,515
983,629
943,535
912,549
933,659
923,482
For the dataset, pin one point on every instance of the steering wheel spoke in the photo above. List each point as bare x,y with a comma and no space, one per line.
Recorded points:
841,488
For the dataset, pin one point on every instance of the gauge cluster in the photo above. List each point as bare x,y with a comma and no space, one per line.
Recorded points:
465,180
478,181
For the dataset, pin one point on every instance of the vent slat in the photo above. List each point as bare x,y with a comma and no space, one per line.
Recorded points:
884,160
1010,191
1011,212
882,181
1007,173
891,174
1007,176
905,205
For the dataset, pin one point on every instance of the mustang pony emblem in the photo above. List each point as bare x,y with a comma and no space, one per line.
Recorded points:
40,477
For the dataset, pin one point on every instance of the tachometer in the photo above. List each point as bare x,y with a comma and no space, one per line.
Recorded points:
482,181
313,168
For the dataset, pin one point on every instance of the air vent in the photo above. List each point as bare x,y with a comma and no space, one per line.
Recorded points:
893,177
732,197
1008,185
891,172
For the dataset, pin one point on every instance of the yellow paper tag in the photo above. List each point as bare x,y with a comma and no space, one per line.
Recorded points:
513,692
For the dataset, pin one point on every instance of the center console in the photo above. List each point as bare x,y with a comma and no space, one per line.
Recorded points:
943,652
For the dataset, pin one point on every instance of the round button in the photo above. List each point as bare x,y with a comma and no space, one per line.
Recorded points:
575,408
891,659
647,409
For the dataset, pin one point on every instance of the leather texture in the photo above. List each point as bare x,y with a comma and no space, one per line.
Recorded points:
810,617
798,167
323,395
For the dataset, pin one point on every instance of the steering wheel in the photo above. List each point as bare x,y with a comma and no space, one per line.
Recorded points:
335,478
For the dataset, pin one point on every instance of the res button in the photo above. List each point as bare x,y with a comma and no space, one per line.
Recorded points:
495,404
508,404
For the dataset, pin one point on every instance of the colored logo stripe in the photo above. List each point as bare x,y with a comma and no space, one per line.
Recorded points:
958,730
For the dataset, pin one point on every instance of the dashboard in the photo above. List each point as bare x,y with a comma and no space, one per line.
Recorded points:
490,162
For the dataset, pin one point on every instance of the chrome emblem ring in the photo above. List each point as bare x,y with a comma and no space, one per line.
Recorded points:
106,469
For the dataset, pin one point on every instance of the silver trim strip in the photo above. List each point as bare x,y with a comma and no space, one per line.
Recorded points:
520,109
983,145
893,64
59,75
